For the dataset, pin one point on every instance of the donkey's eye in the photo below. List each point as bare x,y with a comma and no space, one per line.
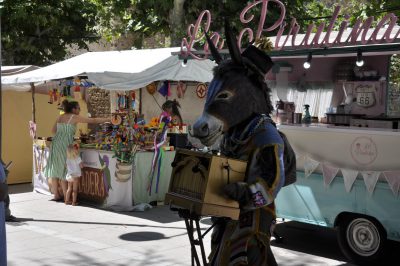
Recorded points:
224,95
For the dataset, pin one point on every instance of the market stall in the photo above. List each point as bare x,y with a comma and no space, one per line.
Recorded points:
122,164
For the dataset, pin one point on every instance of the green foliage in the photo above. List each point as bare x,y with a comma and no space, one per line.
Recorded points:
37,32
394,73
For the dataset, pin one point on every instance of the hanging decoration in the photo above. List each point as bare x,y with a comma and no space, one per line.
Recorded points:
151,88
165,89
159,139
393,179
201,90
181,89
32,129
329,173
133,100
370,179
349,176
309,166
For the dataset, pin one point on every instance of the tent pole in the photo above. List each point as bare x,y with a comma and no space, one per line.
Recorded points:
140,101
1,102
33,88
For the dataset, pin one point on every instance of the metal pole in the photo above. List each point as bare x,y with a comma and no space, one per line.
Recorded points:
33,105
1,102
33,88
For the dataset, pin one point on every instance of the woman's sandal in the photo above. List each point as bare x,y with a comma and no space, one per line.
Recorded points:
75,203
68,202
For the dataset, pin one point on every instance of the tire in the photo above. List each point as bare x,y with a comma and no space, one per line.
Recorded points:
362,239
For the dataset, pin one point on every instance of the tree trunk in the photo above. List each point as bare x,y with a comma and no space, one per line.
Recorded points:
176,22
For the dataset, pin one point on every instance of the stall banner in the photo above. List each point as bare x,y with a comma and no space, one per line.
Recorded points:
370,178
92,185
101,182
40,157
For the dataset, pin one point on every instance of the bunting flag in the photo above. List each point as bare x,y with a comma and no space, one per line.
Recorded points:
393,178
370,180
309,166
349,176
329,173
298,156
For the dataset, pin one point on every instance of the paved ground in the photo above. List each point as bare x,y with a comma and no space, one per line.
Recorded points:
55,234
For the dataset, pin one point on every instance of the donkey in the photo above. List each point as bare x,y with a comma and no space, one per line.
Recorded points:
237,107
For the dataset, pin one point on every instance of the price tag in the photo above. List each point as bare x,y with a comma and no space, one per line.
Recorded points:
365,95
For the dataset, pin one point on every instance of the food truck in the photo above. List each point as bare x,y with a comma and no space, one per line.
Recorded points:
348,153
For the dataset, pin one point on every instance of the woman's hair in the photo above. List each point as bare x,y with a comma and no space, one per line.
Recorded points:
72,151
174,105
68,106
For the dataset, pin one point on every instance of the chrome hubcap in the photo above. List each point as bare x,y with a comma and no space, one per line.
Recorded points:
363,237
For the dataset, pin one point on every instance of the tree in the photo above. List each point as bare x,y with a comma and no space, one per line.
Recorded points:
37,32
171,17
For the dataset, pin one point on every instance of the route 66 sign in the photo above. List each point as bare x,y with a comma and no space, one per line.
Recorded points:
365,95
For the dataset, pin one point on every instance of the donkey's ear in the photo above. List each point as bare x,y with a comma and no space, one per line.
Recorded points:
233,47
214,50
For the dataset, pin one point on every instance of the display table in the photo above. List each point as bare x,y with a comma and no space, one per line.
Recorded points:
141,178
105,181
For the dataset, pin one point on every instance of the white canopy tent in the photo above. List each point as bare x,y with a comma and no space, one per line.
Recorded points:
120,70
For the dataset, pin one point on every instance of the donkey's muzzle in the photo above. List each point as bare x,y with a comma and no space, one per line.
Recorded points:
201,129
207,129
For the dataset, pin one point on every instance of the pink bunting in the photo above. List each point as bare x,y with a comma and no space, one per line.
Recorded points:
393,178
370,180
349,177
329,173
309,166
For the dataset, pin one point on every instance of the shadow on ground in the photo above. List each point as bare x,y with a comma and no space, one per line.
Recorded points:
20,188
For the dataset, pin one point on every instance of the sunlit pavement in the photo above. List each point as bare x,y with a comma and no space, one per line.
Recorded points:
52,233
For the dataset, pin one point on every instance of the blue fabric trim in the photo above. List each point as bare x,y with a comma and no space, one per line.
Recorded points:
214,87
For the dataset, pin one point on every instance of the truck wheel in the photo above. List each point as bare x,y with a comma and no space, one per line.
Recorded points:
361,238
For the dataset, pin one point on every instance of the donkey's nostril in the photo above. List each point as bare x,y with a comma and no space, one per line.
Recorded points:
204,128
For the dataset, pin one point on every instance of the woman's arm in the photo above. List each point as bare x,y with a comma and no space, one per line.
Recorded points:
81,119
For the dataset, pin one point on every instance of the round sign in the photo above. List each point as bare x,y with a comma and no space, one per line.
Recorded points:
201,90
363,150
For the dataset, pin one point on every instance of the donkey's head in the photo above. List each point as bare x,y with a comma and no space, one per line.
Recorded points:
236,93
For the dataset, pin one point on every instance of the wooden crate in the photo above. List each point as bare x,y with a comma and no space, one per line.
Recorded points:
197,180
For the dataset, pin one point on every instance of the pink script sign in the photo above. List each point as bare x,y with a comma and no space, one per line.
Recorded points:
359,30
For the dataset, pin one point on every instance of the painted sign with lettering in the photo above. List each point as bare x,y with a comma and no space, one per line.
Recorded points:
385,31
91,186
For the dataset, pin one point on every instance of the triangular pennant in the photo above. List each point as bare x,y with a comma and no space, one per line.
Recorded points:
309,166
370,179
329,172
298,156
349,177
393,178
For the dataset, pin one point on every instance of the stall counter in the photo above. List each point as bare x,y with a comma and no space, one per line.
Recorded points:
106,182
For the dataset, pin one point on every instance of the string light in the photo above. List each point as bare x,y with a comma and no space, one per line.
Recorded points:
360,61
307,64
184,63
